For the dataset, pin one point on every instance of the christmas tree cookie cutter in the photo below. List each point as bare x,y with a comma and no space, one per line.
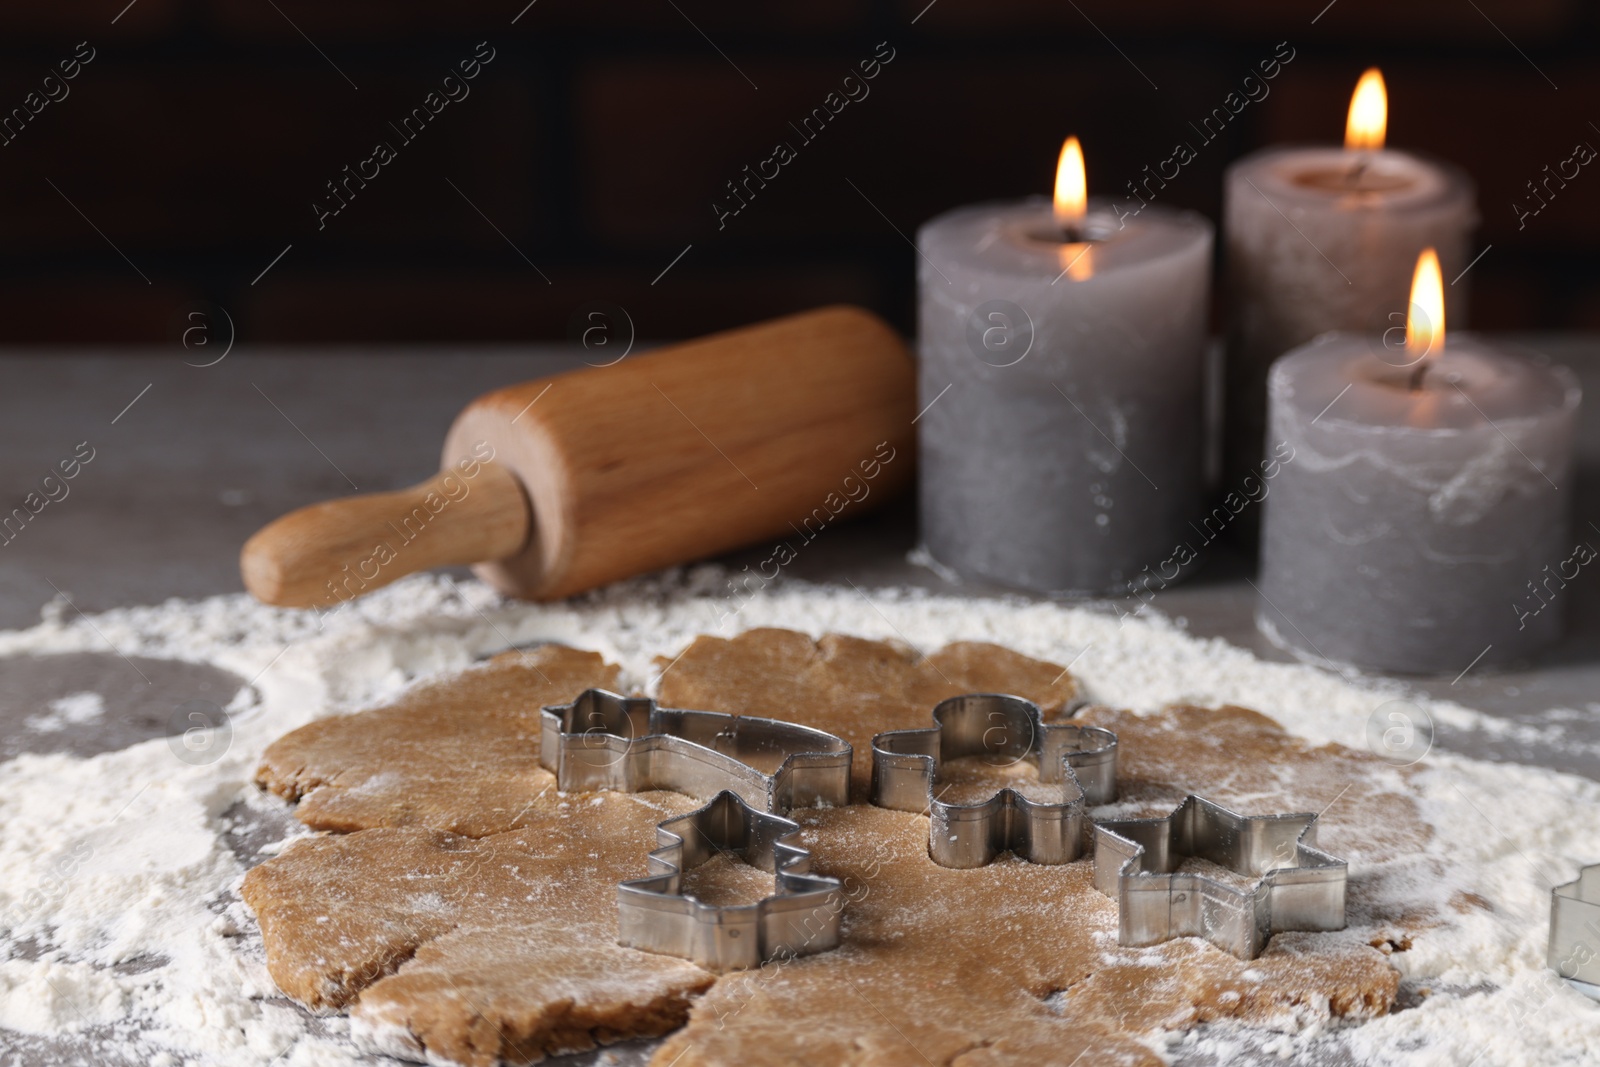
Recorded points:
1295,886
801,917
1080,760
750,770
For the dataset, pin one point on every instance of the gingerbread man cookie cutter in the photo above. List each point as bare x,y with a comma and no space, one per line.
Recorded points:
801,917
603,740
1081,760
1297,886
749,769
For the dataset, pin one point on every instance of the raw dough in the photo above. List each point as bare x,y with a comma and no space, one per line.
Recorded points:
850,686
504,947
459,755
508,942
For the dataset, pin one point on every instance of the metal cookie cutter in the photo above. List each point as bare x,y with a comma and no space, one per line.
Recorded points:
801,917
1574,950
1298,887
1081,760
603,740
749,769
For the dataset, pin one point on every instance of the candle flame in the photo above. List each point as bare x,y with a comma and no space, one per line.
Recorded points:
1072,191
1369,113
1425,317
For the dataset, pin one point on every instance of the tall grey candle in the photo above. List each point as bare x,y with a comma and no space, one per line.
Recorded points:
1422,510
1061,389
1321,239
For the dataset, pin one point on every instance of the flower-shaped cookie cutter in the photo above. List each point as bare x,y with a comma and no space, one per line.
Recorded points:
1296,885
801,917
1080,760
603,740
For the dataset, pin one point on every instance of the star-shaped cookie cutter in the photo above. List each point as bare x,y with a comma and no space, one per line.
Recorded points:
1296,885
1081,760
603,740
801,917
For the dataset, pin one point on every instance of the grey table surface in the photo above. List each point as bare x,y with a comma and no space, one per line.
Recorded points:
190,460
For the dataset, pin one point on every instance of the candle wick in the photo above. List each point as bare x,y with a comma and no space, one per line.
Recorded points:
1353,175
1418,374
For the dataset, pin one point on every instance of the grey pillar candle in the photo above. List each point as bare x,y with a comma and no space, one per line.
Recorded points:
1320,239
1416,530
1061,391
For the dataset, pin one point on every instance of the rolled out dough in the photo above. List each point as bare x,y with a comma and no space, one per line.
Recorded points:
465,911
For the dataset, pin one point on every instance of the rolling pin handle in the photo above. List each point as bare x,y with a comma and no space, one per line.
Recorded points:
335,551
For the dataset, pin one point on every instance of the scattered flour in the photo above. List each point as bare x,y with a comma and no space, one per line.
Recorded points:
74,709
119,921
39,998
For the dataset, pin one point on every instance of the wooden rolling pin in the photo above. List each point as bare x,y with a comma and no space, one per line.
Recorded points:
566,483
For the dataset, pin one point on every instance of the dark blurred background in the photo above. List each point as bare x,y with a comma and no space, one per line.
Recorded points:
188,153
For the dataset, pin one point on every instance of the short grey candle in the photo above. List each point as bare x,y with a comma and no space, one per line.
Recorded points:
1321,239
1061,389
1421,508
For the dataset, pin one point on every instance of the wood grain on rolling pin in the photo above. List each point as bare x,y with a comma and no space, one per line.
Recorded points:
565,483
697,449
337,550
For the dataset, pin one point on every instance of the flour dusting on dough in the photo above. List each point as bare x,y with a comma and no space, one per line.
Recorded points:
118,872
